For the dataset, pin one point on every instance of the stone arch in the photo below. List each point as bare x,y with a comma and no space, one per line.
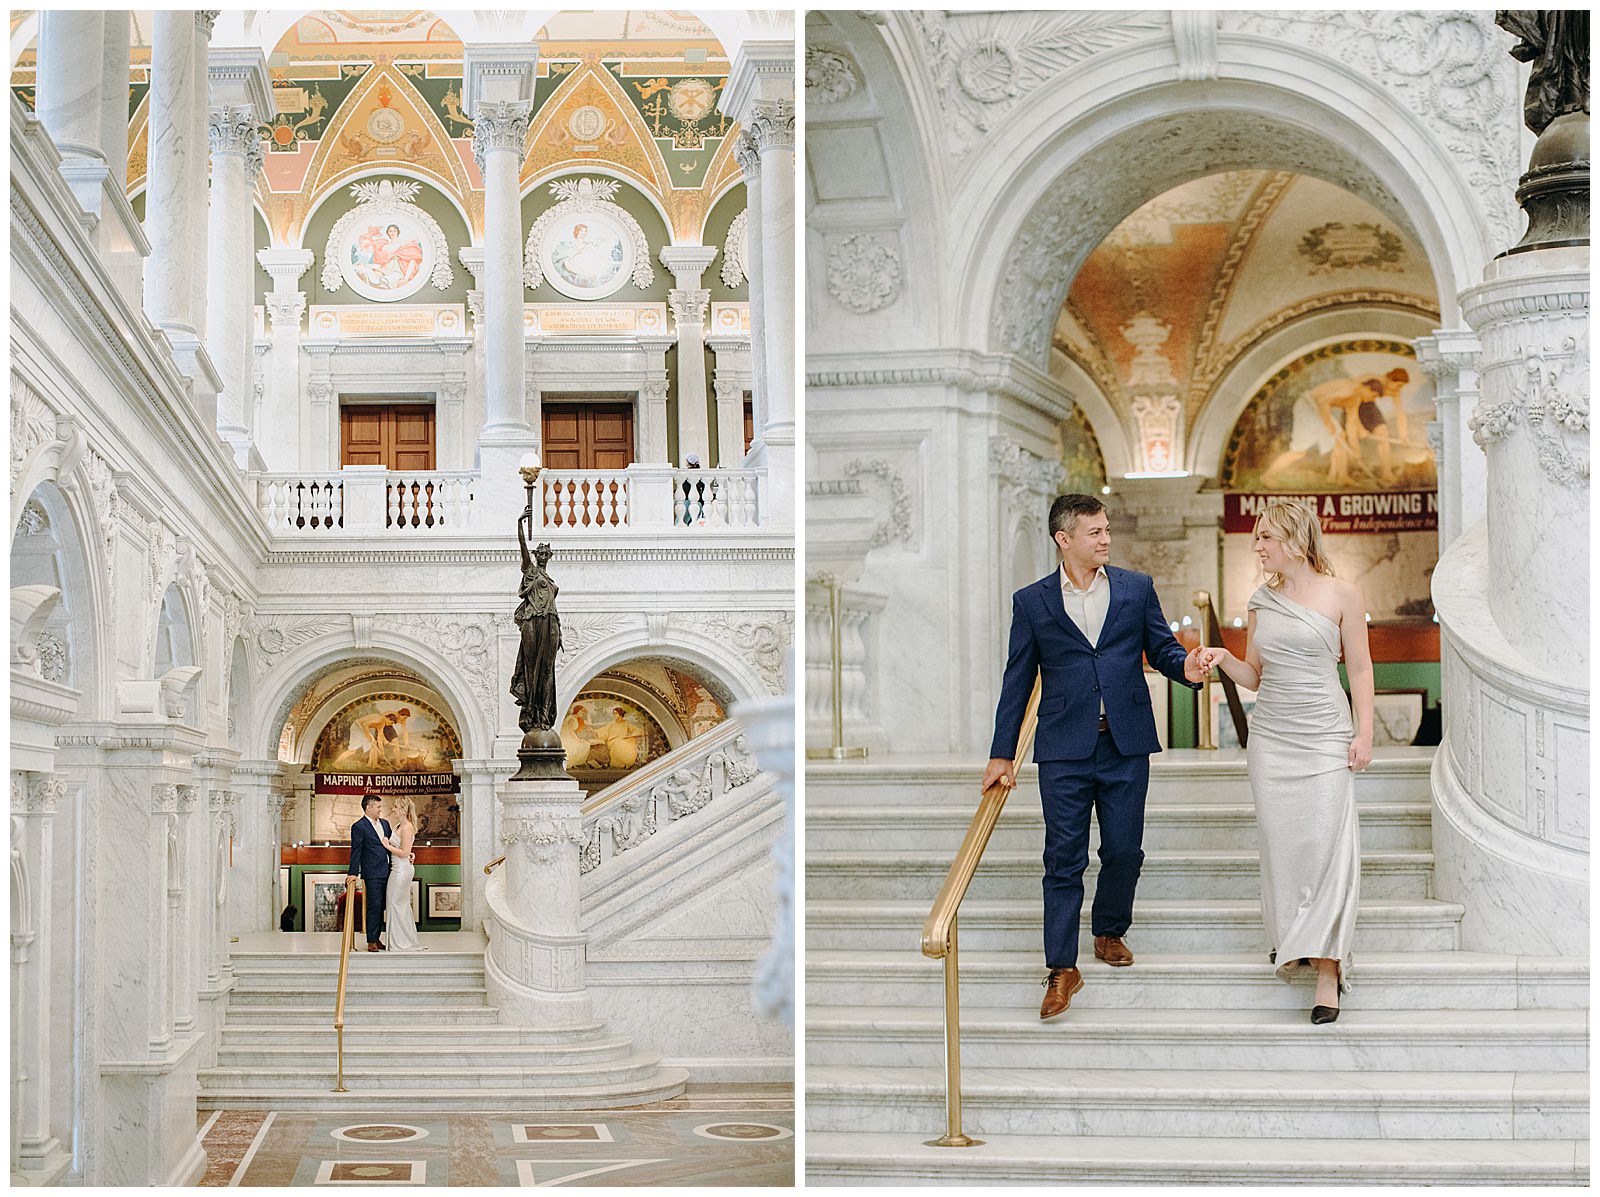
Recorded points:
336,187
708,658
1235,386
1098,410
1127,131
286,681
177,633
73,568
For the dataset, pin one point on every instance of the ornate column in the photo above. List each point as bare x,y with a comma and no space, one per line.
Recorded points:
730,421
34,798
1450,359
748,155
253,902
499,138
236,158
472,258
199,114
71,68
170,214
278,432
653,419
185,943
690,303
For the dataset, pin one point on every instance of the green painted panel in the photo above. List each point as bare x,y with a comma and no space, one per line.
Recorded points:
722,216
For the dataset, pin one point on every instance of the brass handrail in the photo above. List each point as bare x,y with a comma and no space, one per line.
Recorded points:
489,868
667,765
1211,632
345,940
939,932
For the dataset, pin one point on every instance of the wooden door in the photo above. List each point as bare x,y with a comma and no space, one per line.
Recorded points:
749,426
397,436
587,436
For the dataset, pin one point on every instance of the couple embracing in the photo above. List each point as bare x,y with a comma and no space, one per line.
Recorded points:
1084,629
381,856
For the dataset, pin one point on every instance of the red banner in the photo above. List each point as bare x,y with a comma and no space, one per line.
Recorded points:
1380,511
383,784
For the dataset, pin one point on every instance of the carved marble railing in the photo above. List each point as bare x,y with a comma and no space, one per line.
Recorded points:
677,786
366,501
589,499
715,498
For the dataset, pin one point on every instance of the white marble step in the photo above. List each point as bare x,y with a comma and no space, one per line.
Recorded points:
869,1158
401,1051
371,1075
401,1012
1188,874
323,963
1202,1040
1159,925
1236,981
1175,827
420,1092
1274,1103
1176,775
373,991
367,1029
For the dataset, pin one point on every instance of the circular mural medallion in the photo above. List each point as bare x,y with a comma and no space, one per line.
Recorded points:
742,1132
589,255
386,257
691,99
386,125
587,123
379,1132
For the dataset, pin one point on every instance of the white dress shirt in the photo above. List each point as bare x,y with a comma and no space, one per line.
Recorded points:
1087,608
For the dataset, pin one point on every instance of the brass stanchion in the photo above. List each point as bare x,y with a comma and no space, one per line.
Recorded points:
1202,715
837,750
953,1136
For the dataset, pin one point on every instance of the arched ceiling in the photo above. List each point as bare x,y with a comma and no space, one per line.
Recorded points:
1190,279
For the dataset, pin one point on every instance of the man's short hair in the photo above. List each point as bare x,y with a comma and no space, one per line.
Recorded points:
1064,512
370,798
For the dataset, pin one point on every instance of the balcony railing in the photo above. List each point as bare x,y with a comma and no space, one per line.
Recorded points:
371,501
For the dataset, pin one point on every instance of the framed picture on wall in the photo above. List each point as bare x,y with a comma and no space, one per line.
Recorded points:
321,905
1397,715
444,902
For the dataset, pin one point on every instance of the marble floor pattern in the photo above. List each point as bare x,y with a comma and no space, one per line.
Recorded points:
717,1135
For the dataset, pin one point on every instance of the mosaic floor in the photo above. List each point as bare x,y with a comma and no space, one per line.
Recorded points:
725,1135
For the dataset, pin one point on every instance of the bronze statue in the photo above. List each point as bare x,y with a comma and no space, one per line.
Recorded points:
1556,42
533,681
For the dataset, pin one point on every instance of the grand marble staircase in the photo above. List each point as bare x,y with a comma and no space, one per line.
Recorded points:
419,1035
1196,1064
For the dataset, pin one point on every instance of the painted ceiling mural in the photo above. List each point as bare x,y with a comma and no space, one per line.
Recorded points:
1184,286
635,92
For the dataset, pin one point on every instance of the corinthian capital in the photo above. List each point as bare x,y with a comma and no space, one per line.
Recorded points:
205,19
689,304
747,154
233,130
286,307
772,124
502,125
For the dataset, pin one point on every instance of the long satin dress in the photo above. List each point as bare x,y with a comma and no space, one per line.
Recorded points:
397,919
1304,791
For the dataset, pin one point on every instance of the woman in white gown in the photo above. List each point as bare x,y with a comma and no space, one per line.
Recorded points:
397,917
1303,750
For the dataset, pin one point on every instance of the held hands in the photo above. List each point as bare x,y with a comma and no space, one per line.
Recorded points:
1197,665
1360,753
999,770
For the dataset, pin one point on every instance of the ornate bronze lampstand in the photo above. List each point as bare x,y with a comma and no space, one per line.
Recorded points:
533,680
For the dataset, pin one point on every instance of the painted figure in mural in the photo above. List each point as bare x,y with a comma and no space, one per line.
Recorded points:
1085,629
1334,417
1304,748
386,260
533,681
585,260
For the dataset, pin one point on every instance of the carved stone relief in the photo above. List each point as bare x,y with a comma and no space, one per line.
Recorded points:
830,76
864,272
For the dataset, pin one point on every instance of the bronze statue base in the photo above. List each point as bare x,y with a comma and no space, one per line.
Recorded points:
1555,191
542,756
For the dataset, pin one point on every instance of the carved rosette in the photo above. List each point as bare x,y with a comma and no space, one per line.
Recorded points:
864,273
830,76
499,126
772,125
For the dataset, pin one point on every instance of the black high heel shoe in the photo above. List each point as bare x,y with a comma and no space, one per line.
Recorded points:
1322,1014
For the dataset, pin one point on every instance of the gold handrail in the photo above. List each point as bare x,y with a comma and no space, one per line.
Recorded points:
939,932
345,940
664,766
1211,632
489,868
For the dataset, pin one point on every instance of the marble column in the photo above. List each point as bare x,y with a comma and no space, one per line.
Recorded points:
277,435
169,220
199,118
730,422
748,155
114,76
690,303
772,126
236,157
253,902
472,258
71,67
1450,359
534,969
499,139
35,1151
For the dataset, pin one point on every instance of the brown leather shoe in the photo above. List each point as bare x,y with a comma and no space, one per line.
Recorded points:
372,947
1059,987
1112,950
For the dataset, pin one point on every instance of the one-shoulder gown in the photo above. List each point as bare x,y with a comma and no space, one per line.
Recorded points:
1304,790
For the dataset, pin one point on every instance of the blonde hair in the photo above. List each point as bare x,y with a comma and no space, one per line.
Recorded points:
1295,522
405,811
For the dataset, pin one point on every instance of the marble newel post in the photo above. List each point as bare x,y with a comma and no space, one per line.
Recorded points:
690,303
1511,781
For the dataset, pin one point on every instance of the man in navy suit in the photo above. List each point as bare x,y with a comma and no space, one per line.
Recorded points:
369,860
1086,628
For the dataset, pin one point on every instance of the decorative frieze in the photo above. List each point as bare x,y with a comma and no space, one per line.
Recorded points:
760,637
37,793
164,799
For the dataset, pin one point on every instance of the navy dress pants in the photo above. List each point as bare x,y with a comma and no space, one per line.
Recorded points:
1113,787
377,888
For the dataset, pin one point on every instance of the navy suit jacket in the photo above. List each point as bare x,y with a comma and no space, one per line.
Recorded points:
368,857
1078,675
